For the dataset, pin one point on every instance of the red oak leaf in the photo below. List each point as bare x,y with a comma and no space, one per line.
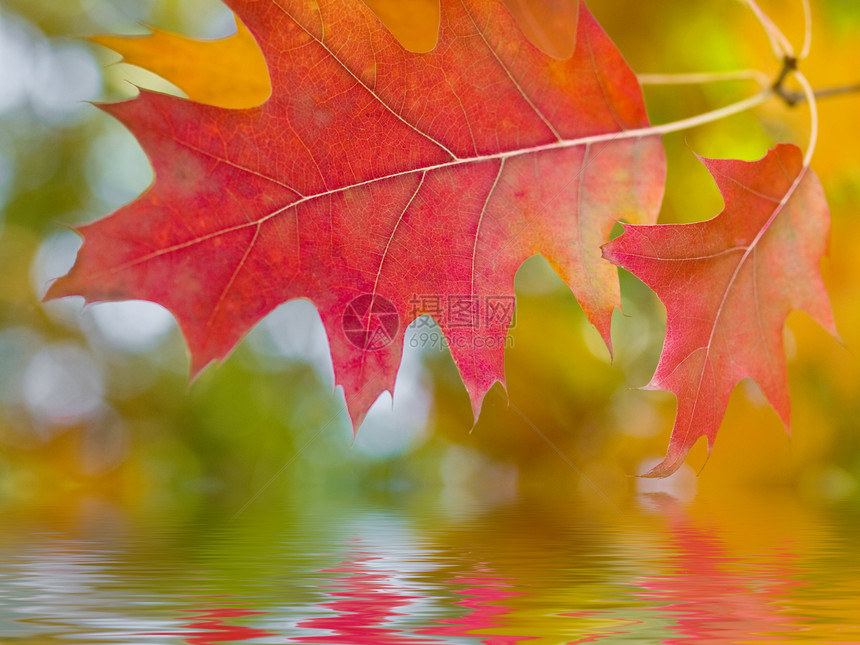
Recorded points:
379,183
728,285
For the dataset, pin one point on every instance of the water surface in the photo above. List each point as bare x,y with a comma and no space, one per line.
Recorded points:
552,571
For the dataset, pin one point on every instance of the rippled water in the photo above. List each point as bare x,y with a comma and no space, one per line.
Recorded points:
539,572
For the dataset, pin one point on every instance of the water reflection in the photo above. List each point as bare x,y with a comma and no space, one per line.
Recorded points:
712,595
487,599
214,624
365,603
371,603
531,571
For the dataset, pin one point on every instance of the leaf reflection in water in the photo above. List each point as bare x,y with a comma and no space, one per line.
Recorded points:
713,595
214,624
366,602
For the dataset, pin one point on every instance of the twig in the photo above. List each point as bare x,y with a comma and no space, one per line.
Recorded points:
793,98
789,65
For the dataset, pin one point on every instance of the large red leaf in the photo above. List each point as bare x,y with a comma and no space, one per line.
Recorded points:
728,285
375,170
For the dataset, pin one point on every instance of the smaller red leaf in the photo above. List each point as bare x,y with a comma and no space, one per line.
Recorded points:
728,285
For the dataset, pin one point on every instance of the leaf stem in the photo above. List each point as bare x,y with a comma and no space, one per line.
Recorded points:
713,115
813,118
780,45
807,30
637,133
705,77
789,66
